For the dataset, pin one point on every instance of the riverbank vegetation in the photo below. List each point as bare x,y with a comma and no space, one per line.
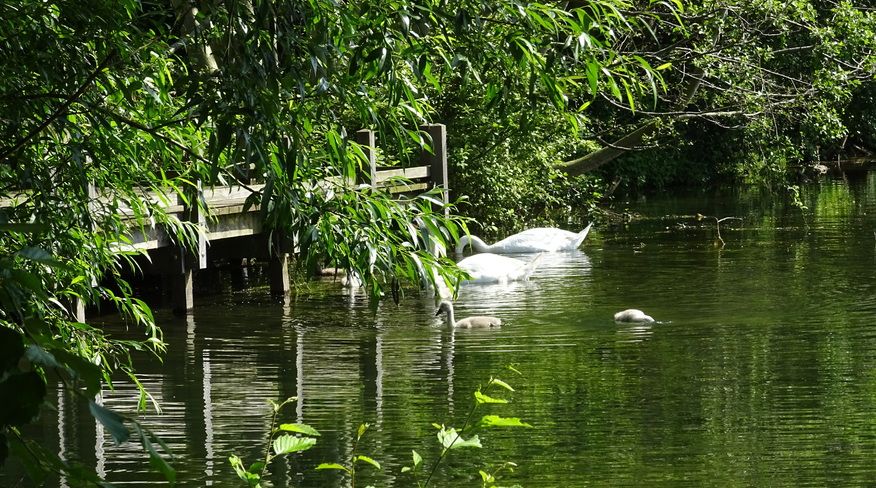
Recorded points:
549,107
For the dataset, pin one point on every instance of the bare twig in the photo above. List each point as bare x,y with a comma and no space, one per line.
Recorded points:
718,226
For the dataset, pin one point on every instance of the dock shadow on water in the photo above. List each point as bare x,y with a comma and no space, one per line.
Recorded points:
762,375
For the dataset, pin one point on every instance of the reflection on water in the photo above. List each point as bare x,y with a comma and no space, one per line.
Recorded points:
761,375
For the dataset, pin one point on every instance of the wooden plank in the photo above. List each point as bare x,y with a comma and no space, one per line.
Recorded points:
411,173
408,188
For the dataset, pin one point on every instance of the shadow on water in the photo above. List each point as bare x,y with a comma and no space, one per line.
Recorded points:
763,375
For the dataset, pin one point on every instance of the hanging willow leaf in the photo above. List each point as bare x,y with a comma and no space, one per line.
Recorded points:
113,422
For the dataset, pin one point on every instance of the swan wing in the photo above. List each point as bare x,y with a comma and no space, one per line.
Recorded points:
489,267
525,271
576,240
541,239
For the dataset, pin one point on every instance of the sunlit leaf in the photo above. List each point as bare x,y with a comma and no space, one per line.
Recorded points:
368,460
496,421
481,398
450,439
497,381
300,428
285,444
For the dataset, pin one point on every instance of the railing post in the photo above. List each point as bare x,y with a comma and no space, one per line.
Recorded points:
77,305
437,159
182,287
365,137
278,264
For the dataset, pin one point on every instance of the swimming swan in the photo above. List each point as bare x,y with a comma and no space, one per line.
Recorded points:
468,322
493,268
633,315
541,239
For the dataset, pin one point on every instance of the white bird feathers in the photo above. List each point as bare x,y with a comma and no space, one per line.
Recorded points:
540,239
633,315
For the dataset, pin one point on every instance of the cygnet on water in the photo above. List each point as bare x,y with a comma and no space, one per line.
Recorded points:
468,322
633,315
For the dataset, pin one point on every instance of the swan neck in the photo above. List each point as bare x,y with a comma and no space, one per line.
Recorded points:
475,242
451,320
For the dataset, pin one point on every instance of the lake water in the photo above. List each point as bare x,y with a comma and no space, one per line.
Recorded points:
763,372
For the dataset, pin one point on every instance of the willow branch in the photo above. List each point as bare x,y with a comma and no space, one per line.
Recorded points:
57,113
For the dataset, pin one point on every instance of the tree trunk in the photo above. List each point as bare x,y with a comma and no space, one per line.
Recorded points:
629,142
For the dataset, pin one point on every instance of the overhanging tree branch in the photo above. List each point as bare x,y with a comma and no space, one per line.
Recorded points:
57,113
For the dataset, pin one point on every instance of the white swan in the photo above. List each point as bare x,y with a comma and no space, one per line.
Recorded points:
468,322
349,278
633,315
540,239
493,268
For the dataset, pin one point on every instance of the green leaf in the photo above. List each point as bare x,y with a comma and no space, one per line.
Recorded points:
496,421
300,428
22,395
28,281
157,462
418,460
38,355
11,348
35,254
450,439
481,398
252,479
368,460
497,381
285,444
24,228
113,422
39,255
332,466
90,373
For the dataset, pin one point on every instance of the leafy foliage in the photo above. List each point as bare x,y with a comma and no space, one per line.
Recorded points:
279,445
754,91
450,438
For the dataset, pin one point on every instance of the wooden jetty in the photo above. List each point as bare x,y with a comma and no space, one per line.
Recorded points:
234,231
